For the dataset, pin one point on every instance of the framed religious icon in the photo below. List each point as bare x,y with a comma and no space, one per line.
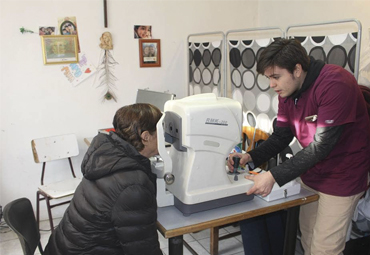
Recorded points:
150,52
59,49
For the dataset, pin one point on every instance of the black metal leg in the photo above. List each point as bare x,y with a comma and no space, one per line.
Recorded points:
175,245
38,209
291,230
49,213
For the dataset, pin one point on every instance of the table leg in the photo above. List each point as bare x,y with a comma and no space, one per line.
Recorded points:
175,245
291,230
214,241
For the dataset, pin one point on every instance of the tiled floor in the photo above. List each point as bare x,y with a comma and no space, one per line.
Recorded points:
200,241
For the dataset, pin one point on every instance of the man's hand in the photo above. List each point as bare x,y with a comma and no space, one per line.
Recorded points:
244,158
263,183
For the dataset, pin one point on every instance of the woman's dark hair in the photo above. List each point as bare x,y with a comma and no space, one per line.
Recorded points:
132,120
284,53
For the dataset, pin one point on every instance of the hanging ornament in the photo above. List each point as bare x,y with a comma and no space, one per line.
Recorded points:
106,67
23,30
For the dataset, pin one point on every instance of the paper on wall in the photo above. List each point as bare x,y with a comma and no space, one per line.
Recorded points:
78,72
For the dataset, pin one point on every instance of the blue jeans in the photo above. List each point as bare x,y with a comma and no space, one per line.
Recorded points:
264,235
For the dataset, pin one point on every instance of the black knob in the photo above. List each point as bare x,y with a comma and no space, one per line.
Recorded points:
236,163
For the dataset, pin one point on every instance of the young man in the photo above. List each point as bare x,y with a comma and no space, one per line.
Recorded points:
322,106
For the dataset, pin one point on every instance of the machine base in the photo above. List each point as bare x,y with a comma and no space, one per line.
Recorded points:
187,210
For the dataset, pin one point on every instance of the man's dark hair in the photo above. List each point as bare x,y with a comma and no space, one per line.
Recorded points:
284,53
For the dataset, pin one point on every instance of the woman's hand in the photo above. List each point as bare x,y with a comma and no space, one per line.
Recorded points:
263,183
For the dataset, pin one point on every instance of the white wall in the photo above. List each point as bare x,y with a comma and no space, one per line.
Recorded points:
37,101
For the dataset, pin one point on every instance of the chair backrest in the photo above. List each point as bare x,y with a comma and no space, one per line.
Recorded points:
54,147
254,135
20,217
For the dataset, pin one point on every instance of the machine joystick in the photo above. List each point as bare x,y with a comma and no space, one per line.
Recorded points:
236,163
236,166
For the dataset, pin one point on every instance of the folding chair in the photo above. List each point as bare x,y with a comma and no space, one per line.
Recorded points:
49,149
19,216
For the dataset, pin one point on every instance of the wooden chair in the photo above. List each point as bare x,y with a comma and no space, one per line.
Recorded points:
254,135
49,149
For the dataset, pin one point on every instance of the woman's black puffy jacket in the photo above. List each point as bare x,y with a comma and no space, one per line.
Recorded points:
114,209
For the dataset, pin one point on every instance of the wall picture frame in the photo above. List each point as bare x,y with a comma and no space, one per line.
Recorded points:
150,52
59,49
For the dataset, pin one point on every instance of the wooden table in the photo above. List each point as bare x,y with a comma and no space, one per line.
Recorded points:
173,225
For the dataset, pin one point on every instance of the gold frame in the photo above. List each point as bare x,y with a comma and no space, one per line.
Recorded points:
150,61
65,55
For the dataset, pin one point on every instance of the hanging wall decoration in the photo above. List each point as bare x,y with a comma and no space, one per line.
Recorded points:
59,49
47,30
78,72
106,67
142,32
68,26
150,52
23,30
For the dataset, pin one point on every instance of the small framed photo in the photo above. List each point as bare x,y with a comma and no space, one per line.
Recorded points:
46,30
150,52
59,49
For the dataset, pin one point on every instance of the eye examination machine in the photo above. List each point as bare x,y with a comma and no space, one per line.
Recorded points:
201,130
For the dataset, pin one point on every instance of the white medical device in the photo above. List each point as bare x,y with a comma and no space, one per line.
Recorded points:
202,129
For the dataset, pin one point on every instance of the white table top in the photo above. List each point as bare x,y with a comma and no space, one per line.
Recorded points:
170,218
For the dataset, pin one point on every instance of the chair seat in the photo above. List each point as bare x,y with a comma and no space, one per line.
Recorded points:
60,189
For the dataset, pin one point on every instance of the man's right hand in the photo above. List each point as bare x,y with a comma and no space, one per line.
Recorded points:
244,158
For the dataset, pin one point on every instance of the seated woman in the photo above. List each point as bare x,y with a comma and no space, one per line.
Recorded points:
114,209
